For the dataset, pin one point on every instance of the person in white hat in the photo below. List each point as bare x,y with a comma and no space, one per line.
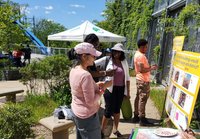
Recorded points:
85,92
119,89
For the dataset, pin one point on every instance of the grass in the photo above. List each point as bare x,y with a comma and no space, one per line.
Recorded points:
40,105
132,72
158,97
18,118
152,84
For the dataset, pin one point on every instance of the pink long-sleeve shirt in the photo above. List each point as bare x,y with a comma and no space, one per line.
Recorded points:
85,93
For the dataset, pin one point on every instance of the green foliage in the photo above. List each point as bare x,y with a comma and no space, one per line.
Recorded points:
158,97
40,105
191,12
62,95
53,72
132,72
194,124
179,26
156,51
5,63
129,18
9,32
15,122
44,27
195,120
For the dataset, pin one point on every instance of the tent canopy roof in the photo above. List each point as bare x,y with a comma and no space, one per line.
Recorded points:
80,32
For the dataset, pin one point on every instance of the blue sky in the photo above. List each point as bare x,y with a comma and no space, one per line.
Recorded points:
69,13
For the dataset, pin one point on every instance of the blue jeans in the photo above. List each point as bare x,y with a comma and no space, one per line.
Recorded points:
88,128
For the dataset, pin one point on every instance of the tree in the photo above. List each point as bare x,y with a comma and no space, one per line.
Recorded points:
113,15
129,18
10,35
44,28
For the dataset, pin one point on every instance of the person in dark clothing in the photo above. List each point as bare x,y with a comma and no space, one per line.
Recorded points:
17,57
27,54
94,40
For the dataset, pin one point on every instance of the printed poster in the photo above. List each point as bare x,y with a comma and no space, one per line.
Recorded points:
178,42
183,88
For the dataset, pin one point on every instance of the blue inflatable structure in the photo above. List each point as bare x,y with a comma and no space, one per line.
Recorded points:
33,38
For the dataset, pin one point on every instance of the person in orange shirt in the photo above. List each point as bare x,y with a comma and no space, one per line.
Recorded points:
142,69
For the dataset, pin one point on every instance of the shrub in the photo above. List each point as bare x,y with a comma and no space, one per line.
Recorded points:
62,95
195,121
40,105
53,72
15,122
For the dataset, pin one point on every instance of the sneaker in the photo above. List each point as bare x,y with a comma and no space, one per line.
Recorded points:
145,122
118,134
136,119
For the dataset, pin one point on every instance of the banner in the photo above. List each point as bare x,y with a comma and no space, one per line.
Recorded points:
183,88
178,42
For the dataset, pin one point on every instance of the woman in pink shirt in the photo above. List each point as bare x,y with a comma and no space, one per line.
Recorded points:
85,92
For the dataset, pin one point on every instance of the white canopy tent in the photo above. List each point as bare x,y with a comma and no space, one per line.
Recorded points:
80,32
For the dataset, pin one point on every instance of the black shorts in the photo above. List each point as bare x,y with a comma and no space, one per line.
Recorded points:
113,101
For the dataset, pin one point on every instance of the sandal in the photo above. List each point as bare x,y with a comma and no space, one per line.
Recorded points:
118,134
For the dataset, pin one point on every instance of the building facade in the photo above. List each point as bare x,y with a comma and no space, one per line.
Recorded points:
158,36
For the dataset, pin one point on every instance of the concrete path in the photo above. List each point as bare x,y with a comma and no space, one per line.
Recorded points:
125,127
12,84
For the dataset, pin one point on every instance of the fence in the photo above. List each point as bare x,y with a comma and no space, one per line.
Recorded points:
51,50
57,51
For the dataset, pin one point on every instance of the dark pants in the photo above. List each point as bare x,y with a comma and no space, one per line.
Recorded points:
143,91
113,101
18,62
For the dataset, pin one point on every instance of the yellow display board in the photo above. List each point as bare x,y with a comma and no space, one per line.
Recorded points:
178,42
183,88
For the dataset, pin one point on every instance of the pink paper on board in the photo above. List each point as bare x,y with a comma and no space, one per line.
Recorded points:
176,115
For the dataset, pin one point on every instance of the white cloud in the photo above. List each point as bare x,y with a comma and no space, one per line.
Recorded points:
77,6
36,7
49,7
72,12
50,20
25,10
102,13
47,12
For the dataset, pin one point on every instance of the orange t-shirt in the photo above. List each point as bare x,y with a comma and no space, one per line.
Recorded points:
141,58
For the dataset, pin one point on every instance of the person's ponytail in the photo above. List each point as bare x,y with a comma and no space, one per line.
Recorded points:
72,54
